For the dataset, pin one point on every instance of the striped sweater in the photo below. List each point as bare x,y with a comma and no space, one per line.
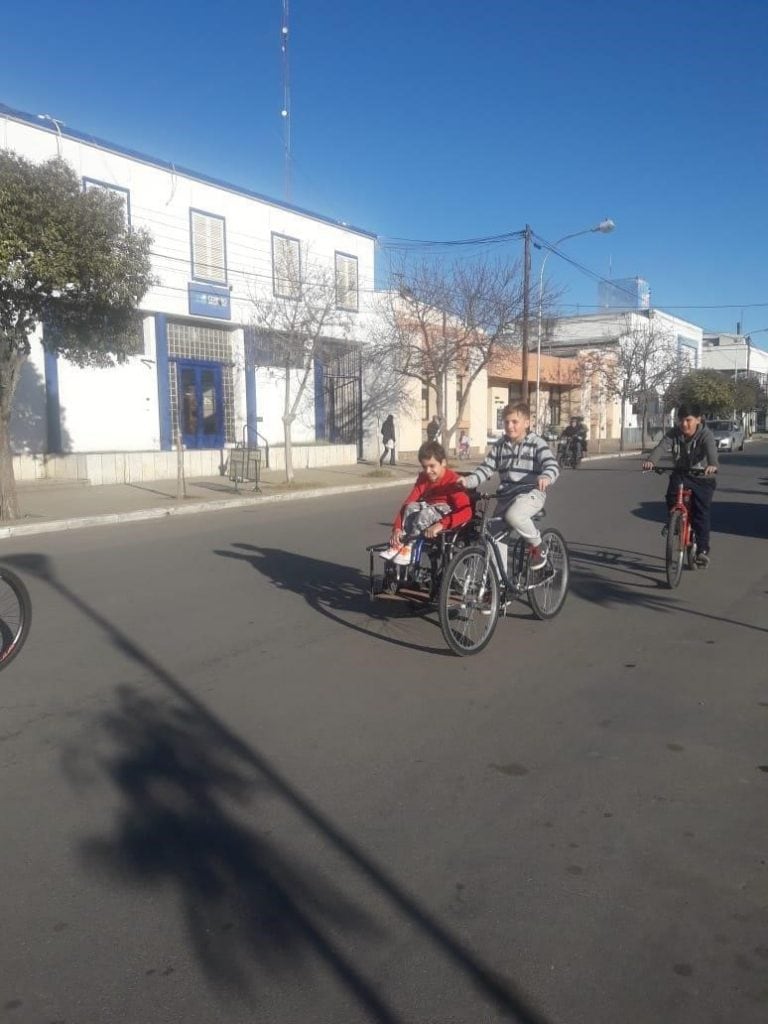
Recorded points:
519,465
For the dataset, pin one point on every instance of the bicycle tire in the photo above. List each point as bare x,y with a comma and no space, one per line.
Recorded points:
674,549
468,603
547,598
15,616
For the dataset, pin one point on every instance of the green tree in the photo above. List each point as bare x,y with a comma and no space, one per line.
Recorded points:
748,396
70,262
708,388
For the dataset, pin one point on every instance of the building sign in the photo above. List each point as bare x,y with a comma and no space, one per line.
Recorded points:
209,300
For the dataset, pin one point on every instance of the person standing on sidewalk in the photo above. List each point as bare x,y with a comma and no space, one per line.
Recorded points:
388,440
433,428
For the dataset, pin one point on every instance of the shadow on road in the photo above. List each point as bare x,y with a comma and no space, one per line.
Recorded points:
744,518
336,591
613,576
187,784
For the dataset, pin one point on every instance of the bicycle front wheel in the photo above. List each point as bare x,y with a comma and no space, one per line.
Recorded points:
550,584
15,615
675,552
468,605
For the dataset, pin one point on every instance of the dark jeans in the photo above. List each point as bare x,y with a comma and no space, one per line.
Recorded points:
702,491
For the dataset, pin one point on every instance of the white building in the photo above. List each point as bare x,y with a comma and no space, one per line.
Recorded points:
202,373
595,339
737,355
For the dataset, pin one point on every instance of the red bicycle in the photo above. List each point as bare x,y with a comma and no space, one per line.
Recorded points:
681,540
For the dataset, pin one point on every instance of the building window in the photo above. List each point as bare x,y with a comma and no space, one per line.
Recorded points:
202,344
209,262
89,184
286,267
346,282
424,402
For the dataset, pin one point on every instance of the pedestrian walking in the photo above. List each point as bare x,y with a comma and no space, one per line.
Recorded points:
433,428
388,440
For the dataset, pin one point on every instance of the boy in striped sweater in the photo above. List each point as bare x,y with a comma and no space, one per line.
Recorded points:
526,468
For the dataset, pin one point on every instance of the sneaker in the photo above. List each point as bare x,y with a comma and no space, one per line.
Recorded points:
702,559
403,556
389,553
537,556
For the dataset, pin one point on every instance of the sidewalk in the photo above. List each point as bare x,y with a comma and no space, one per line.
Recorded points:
50,506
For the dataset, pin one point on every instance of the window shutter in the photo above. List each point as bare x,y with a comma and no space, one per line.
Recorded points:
286,269
208,262
346,282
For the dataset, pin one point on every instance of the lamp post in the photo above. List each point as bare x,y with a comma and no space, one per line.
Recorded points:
604,227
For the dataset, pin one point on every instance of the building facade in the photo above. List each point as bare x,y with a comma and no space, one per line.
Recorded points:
203,376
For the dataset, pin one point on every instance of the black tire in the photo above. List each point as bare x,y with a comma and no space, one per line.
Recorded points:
674,553
468,604
15,616
550,589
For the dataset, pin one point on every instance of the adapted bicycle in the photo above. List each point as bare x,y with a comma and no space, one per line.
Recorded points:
417,583
484,578
681,544
15,615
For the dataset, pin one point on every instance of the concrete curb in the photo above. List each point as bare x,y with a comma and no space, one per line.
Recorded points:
163,512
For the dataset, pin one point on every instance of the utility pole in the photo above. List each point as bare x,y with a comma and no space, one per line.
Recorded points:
526,307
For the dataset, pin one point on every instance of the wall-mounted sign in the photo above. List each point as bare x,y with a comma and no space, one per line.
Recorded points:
209,300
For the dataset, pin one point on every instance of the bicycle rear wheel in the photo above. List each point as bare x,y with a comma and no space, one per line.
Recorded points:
675,552
468,604
15,615
550,584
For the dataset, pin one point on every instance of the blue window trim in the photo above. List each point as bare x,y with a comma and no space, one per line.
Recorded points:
213,216
348,256
110,187
163,382
289,238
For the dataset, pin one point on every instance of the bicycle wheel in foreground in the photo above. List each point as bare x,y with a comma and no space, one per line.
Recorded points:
15,615
468,605
548,594
675,550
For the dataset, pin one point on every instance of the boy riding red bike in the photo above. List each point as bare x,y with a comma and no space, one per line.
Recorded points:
693,448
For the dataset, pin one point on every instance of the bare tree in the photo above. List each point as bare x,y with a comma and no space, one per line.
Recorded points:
645,362
446,323
304,322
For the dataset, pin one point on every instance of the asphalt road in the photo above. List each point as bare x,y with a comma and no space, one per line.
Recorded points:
233,790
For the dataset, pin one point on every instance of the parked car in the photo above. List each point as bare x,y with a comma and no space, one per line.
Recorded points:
729,435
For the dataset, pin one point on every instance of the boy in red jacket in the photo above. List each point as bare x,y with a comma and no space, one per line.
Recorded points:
437,502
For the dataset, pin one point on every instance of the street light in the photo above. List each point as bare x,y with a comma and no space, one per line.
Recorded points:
604,228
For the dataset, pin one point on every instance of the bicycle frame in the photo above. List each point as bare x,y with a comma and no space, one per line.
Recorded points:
683,506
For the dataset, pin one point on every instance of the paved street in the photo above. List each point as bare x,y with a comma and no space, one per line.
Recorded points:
235,791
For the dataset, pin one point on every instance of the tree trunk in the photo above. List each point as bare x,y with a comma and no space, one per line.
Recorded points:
9,375
287,424
9,502
623,423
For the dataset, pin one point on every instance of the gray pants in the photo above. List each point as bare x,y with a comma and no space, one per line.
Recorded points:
419,515
518,513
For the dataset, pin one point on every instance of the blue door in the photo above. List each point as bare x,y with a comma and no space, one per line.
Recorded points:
201,404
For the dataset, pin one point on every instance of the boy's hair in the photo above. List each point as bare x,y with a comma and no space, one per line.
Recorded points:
688,409
521,407
432,450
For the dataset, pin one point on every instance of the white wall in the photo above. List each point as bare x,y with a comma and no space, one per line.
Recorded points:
118,409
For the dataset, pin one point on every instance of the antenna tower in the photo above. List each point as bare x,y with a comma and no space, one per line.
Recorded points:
285,113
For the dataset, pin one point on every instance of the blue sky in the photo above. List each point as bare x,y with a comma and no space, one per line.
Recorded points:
448,120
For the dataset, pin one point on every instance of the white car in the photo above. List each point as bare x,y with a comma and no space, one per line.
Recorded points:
729,436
